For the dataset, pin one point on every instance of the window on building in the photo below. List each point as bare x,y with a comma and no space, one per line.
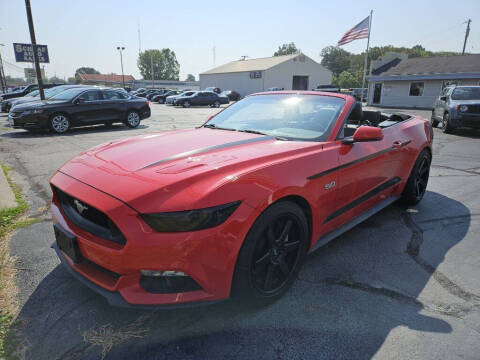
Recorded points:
416,88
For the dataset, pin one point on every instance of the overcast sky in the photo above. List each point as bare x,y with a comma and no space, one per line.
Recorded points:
86,32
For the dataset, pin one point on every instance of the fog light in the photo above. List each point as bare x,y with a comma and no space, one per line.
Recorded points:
162,273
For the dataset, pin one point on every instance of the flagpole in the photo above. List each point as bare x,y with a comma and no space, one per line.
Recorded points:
366,57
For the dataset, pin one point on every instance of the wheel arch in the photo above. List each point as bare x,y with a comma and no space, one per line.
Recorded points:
303,204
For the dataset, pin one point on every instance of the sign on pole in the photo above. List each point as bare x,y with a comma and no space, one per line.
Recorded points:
24,53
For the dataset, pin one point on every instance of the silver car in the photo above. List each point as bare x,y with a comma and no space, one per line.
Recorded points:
457,106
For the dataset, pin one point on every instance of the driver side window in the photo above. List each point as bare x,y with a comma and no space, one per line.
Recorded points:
90,96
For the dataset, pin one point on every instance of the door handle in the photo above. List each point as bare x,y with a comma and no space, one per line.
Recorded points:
399,144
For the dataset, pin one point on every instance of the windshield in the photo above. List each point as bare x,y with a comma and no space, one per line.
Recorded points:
466,93
294,117
67,94
33,93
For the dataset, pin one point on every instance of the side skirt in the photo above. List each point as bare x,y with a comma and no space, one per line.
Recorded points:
352,223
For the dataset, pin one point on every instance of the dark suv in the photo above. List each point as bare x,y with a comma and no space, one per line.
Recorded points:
16,94
457,106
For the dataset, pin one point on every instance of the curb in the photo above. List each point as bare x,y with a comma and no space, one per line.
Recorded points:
7,197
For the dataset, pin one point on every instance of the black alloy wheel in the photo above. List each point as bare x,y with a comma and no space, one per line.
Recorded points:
417,182
275,254
272,253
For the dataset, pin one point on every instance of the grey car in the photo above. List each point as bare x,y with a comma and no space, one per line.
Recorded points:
457,106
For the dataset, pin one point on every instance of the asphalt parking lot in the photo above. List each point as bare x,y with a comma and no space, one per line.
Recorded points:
404,284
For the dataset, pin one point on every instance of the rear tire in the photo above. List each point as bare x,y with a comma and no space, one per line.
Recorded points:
186,104
417,181
272,254
216,104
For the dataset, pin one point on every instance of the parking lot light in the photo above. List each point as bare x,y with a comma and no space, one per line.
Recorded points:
120,49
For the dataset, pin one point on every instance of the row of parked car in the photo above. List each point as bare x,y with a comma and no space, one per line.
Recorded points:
67,106
211,96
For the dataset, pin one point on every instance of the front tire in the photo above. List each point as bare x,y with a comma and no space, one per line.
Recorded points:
161,101
417,181
447,127
433,121
59,123
133,119
272,253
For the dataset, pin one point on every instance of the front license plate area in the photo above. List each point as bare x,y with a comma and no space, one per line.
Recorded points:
67,242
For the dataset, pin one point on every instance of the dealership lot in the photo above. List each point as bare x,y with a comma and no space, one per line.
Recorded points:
402,284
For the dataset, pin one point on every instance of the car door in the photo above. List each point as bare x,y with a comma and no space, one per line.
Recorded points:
367,173
198,99
113,105
88,107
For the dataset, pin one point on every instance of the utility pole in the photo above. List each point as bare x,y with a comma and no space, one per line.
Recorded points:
120,49
151,65
34,49
467,32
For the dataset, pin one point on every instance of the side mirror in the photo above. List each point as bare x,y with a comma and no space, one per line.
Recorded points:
78,101
443,98
364,134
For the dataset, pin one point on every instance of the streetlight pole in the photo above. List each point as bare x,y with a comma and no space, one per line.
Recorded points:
34,49
120,49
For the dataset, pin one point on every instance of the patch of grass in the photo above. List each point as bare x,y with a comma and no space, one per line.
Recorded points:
9,221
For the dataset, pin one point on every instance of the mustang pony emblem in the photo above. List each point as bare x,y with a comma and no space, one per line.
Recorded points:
80,206
329,185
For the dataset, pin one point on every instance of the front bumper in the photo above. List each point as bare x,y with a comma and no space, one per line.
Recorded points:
31,121
467,120
207,256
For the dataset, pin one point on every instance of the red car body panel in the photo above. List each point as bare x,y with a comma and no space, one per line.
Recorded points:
200,168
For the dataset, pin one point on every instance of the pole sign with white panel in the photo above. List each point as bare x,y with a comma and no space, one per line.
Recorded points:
24,53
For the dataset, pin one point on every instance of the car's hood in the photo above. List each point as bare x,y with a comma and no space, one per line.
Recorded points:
466,102
159,165
37,103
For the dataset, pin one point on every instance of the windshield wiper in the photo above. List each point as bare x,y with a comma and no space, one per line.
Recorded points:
262,133
213,126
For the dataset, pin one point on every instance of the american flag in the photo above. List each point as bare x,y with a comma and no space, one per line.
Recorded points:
360,31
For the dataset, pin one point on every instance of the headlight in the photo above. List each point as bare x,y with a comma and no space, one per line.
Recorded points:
463,108
190,220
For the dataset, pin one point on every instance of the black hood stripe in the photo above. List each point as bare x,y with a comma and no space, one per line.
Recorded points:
210,148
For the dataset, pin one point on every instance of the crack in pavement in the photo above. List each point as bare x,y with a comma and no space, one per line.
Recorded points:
455,169
455,310
78,348
413,250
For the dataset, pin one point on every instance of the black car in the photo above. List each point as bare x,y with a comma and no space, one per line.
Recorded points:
231,95
201,98
160,98
155,93
80,107
16,94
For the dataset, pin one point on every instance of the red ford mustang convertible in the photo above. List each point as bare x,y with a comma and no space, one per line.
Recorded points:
233,207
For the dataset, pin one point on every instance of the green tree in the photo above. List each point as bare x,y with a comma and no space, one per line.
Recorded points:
347,79
86,70
165,64
335,59
71,80
56,80
190,77
286,49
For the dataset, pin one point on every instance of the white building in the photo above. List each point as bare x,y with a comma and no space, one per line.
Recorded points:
417,82
290,72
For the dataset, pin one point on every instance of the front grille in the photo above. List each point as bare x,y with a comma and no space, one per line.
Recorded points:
475,109
89,218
